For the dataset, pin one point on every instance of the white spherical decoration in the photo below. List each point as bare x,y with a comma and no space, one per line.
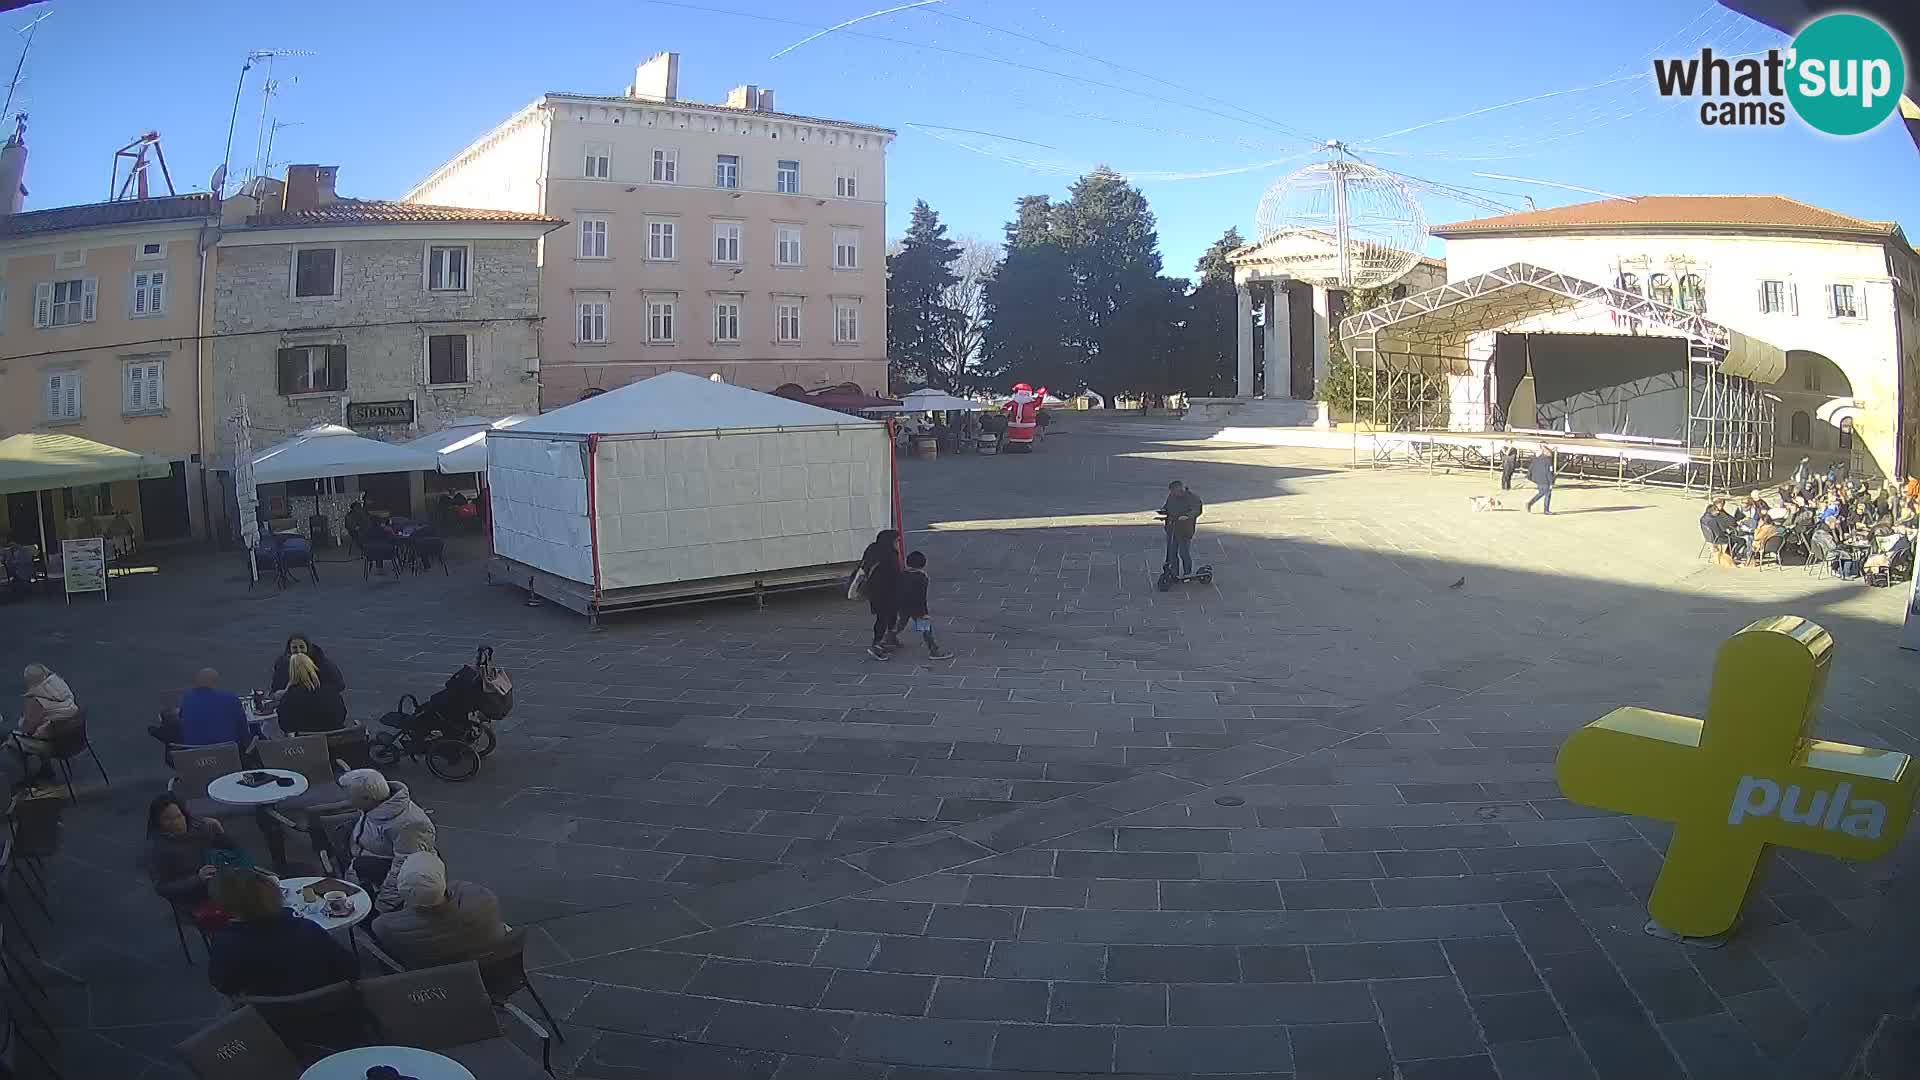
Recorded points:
1381,219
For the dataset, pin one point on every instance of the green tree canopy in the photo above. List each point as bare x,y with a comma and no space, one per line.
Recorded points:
918,319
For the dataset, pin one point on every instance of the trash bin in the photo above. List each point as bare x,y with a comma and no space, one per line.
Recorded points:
318,533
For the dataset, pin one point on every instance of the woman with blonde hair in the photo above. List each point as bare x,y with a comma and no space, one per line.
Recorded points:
310,704
47,710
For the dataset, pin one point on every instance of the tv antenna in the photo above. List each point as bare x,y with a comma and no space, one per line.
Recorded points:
233,117
14,84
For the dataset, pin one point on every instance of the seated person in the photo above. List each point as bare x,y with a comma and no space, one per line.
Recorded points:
386,808
1716,524
179,850
1766,530
442,922
206,715
411,838
1890,554
309,705
268,951
47,710
300,643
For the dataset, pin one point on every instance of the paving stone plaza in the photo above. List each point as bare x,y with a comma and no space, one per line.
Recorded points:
1298,823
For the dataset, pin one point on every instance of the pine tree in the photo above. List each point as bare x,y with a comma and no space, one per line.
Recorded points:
1029,301
918,320
1114,252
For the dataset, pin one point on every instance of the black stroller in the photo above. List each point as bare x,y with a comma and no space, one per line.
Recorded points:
454,729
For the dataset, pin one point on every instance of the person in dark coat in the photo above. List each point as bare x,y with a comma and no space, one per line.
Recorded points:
300,643
178,846
1540,472
1509,464
1182,514
881,562
310,704
268,951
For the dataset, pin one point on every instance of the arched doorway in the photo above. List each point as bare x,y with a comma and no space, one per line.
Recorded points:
1799,430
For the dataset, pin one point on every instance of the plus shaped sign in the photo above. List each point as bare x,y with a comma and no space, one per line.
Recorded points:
1746,777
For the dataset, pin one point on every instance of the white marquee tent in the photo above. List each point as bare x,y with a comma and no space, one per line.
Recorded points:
677,488
331,450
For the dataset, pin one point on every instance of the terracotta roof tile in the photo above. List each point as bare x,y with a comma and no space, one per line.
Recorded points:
99,215
1775,212
387,212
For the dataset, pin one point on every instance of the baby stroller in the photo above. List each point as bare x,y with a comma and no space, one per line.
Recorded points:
454,729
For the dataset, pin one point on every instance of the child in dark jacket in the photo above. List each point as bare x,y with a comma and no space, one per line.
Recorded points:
912,599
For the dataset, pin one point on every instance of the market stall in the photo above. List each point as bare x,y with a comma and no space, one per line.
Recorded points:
676,488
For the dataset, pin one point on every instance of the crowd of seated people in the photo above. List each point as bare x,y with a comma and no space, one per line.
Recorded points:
257,945
1854,526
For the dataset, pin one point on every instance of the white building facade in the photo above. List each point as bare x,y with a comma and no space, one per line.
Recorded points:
394,319
724,239
1836,293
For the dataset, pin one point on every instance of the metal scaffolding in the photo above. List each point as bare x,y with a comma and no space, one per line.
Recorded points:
1417,393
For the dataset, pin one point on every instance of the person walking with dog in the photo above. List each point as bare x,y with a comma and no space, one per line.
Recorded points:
1540,471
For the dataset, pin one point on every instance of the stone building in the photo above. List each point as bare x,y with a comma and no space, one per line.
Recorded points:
393,319
716,239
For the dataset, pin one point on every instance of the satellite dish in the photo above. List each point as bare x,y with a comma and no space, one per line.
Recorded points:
1359,227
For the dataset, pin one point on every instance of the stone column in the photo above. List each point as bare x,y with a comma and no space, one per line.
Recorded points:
1243,314
1279,332
1321,329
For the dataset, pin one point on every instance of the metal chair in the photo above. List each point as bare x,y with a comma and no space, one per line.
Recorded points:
180,920
504,970
194,767
449,1010
239,1046
1770,549
318,1022
64,744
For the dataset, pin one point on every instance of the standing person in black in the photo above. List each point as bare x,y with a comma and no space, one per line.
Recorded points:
881,562
1540,471
1509,462
1182,511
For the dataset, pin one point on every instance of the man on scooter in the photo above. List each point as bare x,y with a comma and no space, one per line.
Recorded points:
1181,511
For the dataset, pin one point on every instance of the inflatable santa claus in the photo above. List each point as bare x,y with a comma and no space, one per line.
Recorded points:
1023,416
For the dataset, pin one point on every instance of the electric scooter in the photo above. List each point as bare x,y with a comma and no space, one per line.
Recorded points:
1167,579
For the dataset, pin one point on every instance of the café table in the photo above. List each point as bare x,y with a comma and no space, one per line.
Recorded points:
229,791
317,914
407,1060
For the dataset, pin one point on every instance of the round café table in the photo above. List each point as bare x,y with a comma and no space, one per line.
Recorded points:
229,791
362,905
408,1060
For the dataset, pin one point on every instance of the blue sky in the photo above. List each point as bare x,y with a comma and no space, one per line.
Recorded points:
993,98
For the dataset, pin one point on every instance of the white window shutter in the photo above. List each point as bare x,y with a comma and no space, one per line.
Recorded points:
155,392
43,303
157,291
72,395
1828,293
136,391
53,395
1793,298
1860,303
90,290
1763,296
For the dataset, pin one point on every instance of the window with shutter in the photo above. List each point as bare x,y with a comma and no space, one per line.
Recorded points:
64,303
145,392
315,273
336,367
63,396
149,293
447,360
446,268
43,304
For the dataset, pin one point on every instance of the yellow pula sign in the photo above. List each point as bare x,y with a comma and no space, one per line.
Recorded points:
1748,776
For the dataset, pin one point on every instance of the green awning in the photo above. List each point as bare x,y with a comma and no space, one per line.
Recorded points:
41,460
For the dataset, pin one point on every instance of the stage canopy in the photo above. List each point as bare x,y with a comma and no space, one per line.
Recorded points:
331,450
1428,331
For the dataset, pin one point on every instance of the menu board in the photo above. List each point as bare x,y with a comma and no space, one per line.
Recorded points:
85,563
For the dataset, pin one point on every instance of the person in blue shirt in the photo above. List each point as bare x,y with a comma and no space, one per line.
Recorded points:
206,715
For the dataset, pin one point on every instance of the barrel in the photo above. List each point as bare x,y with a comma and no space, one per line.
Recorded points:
926,446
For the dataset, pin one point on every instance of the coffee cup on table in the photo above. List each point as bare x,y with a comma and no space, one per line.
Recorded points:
337,903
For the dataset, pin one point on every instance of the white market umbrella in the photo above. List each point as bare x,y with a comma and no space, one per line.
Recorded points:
931,400
461,447
326,450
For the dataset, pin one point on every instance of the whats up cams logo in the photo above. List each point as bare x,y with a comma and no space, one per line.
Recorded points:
1842,74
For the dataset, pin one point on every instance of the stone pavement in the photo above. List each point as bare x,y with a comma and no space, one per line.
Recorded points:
1297,823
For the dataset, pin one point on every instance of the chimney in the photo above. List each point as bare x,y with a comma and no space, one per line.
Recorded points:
765,101
13,169
658,78
309,187
746,96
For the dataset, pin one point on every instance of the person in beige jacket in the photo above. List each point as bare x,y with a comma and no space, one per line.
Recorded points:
47,709
443,922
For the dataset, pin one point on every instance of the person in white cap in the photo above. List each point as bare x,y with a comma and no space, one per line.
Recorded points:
385,807
443,922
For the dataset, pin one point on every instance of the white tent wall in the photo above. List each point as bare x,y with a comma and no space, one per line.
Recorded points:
703,505
539,503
